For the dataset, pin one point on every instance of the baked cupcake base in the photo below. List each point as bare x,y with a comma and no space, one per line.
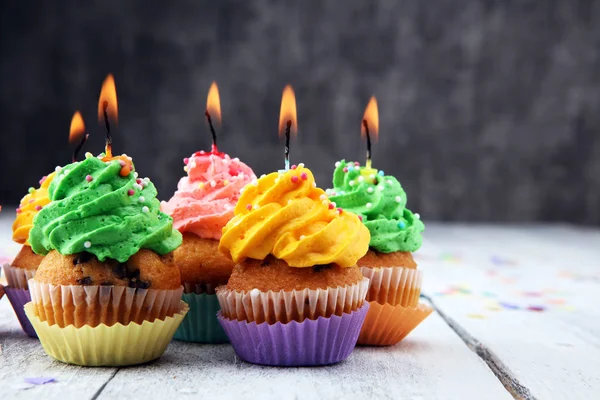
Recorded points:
117,345
200,324
308,343
386,325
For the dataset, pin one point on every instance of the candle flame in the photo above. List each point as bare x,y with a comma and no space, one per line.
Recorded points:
77,127
288,111
108,100
372,118
213,103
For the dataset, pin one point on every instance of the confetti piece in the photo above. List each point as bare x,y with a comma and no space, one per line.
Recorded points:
493,308
532,294
567,308
476,316
39,380
556,301
488,294
499,261
508,306
536,308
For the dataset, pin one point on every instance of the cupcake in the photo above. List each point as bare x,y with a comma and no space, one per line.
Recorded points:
107,291
200,208
25,264
395,282
295,278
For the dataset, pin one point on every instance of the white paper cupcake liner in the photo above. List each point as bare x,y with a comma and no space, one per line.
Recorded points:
295,305
95,305
394,285
17,277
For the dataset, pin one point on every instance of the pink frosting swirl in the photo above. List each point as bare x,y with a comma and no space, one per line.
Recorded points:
205,198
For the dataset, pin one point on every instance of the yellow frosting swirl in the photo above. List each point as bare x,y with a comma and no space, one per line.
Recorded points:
286,215
29,207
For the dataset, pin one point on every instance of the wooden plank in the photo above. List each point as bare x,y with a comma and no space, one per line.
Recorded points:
432,363
526,299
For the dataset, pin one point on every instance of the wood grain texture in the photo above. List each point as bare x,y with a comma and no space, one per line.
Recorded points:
487,282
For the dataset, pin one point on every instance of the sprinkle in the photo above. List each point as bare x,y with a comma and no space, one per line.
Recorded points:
328,191
31,201
325,202
345,169
380,173
141,199
89,178
398,199
256,207
331,206
213,183
370,190
87,244
241,190
135,175
254,182
122,163
509,306
138,181
43,179
129,158
185,168
337,164
340,210
248,207
289,202
225,161
417,216
304,176
314,184
350,167
302,237
360,218
38,208
389,182
202,152
322,197
301,165
39,380
351,183
294,166
186,161
476,316
263,176
536,308
357,163
241,175
254,292
294,179
237,160
333,203
193,164
372,176
201,185
361,178
19,211
380,188
131,192
138,187
58,168
145,209
401,225
31,190
368,205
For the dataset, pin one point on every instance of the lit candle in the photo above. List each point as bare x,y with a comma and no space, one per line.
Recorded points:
108,112
77,130
213,112
288,120
370,126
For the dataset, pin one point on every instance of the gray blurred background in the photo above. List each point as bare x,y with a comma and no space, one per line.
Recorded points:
489,110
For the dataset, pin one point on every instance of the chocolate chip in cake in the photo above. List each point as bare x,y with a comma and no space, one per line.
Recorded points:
135,274
86,280
143,285
319,268
120,271
265,263
82,258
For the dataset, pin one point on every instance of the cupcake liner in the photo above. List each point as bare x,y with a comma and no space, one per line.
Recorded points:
199,288
17,277
201,324
95,305
321,341
113,346
295,305
394,285
387,325
18,298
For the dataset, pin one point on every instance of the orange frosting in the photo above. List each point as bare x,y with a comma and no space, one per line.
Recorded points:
29,207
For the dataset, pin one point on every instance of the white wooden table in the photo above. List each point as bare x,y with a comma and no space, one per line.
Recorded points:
517,317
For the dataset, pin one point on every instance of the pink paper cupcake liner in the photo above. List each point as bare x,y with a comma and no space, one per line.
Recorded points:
18,298
322,341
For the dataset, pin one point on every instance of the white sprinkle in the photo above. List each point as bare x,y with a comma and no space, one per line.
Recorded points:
254,182
256,206
242,189
314,184
289,202
301,165
225,161
129,158
351,183
88,154
302,237
193,164
333,202
398,199
135,174
254,292
263,176
213,183
322,197
372,176
369,205
389,182
370,190
58,168
361,178
236,159
137,186
380,188
241,175
145,209
141,199
146,180
417,216
87,244
337,164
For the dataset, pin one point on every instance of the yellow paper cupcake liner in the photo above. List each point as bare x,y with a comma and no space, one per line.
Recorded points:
114,346
386,325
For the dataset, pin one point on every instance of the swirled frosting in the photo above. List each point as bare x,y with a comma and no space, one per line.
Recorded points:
95,209
286,215
34,201
205,198
381,203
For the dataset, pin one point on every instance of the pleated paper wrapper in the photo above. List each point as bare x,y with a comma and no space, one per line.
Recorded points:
386,325
18,298
115,346
295,305
200,324
321,341
17,277
94,305
394,285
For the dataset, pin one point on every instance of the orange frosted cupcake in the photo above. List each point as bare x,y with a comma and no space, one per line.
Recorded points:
296,274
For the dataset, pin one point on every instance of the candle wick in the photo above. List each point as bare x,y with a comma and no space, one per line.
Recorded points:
366,125
212,130
79,146
108,148
287,144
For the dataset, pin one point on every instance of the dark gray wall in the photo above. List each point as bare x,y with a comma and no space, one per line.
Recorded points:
490,110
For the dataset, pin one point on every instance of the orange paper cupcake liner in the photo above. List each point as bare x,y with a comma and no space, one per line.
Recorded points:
394,285
386,325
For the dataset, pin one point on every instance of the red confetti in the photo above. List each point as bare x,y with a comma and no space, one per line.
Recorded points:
131,192
294,179
360,218
249,207
345,169
186,161
294,166
89,178
330,206
304,176
340,210
38,208
536,308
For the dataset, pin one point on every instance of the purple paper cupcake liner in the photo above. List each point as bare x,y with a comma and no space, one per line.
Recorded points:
312,342
18,298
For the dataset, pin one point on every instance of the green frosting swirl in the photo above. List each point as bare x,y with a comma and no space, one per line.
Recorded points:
91,210
381,203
